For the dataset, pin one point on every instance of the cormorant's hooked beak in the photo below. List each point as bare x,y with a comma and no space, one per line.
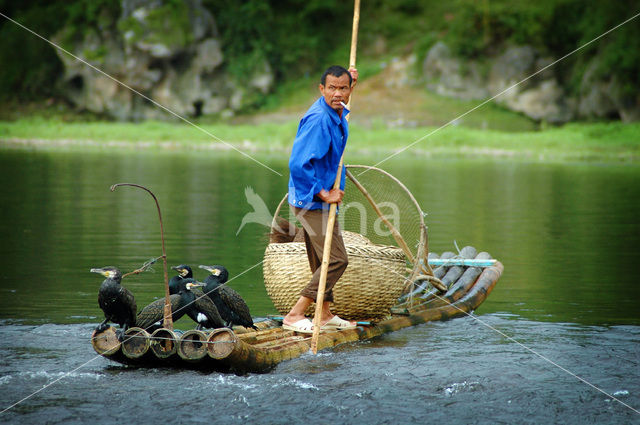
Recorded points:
181,270
97,270
214,271
193,285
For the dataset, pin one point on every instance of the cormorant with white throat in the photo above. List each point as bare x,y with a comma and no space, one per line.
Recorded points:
232,307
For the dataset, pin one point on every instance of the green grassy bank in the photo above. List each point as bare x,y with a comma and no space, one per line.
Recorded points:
616,142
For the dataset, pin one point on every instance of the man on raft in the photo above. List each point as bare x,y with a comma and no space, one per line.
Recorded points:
313,166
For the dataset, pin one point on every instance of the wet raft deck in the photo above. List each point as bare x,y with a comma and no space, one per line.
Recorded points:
242,351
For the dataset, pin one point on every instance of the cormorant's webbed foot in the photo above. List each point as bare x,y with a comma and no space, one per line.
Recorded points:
120,334
102,327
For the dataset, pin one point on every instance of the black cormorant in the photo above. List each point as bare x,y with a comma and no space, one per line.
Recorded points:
232,307
198,306
184,272
150,318
116,301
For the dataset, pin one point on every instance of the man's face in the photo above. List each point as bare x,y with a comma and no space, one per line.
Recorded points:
336,90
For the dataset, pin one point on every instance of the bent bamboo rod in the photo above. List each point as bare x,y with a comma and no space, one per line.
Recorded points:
168,320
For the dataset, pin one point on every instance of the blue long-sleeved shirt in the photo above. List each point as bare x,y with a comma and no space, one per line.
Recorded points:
315,156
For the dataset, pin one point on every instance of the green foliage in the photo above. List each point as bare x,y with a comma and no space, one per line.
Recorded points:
423,44
30,66
294,36
297,38
168,24
555,28
619,51
80,15
96,55
477,28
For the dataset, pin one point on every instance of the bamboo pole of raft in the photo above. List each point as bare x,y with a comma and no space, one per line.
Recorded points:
324,268
106,343
168,320
230,350
136,343
164,343
192,345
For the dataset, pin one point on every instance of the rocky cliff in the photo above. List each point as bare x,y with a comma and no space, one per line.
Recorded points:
168,52
523,80
164,58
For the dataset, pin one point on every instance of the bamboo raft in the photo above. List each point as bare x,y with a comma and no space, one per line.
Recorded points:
377,197
240,350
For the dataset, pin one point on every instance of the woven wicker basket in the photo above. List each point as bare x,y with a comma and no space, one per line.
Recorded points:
371,284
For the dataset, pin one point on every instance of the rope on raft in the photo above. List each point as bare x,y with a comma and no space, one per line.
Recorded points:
97,337
169,339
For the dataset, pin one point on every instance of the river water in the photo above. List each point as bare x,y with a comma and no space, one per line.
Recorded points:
557,341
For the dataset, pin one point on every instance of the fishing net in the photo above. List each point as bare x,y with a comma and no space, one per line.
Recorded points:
393,200
386,241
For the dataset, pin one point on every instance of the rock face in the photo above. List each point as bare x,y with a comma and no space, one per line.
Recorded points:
449,76
169,53
519,80
603,97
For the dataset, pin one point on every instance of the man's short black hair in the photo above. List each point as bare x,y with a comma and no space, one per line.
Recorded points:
336,71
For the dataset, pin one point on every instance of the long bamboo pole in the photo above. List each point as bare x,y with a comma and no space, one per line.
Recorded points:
324,268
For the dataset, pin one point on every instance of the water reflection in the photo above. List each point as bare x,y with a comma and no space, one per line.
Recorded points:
567,234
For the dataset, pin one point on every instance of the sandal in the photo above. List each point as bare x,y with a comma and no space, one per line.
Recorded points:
336,323
303,326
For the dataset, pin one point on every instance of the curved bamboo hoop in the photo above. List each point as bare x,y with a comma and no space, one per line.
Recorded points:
168,320
392,177
421,265
394,232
